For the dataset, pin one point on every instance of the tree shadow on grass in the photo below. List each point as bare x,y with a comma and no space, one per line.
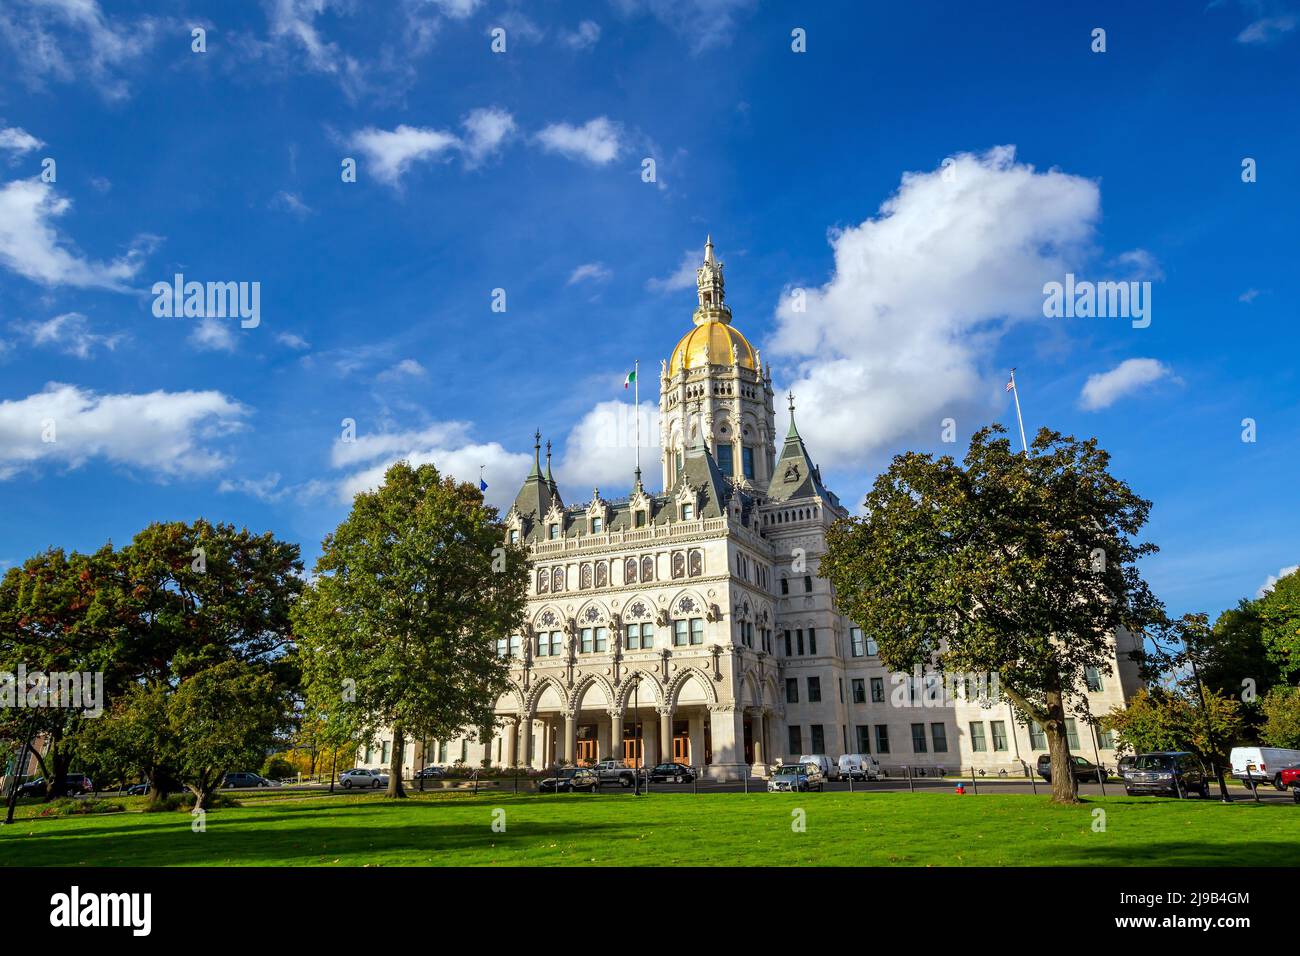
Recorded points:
303,846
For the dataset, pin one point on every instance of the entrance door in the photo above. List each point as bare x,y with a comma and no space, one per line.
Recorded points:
586,751
633,755
749,742
682,742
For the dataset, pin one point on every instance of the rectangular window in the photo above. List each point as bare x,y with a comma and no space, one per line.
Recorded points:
640,519
792,690
1037,736
597,525
815,691
688,511
798,640
602,640
697,630
680,633
1106,739
842,696
807,584
939,736
1092,676
918,738
857,647
747,461
864,739
543,645
503,647
726,458
788,651
587,640
442,752
514,536
557,643
812,640
882,739
384,749
818,739
796,741
1072,733
785,585
999,730
859,691
872,648
877,690
977,742
516,643
647,636
555,531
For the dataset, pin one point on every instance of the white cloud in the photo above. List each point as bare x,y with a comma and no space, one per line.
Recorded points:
70,333
291,203
1105,388
457,9
213,335
294,22
597,141
586,35
600,449
518,27
1139,264
18,141
166,433
391,153
1267,29
406,368
683,277
90,44
589,272
293,341
1274,578
895,341
33,248
1250,295
446,445
269,489
486,130
705,23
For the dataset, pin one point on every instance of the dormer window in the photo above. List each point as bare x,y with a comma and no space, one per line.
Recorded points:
554,531
514,536
640,519
597,525
688,512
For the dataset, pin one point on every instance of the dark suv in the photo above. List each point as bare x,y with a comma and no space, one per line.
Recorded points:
1176,774
1085,771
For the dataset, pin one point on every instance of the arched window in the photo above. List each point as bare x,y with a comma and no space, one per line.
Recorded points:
629,571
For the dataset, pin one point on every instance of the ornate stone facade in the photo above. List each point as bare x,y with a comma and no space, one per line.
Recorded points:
690,624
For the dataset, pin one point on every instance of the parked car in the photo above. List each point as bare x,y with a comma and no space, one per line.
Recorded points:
73,783
360,777
242,779
859,767
138,789
429,772
1291,779
829,768
796,777
1085,771
1175,773
672,773
615,771
1256,765
569,780
1125,764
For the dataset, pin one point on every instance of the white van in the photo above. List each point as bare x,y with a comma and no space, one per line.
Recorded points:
1256,765
859,767
830,771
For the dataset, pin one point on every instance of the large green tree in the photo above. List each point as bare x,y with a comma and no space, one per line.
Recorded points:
1279,611
398,630
1020,565
1175,718
1281,707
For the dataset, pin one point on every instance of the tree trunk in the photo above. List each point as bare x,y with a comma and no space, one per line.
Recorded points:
200,796
395,788
56,784
1064,787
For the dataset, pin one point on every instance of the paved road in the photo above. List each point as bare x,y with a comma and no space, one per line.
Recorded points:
892,784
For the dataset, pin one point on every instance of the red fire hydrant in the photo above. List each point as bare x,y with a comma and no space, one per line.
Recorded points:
961,788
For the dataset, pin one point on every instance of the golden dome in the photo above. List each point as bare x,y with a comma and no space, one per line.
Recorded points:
710,343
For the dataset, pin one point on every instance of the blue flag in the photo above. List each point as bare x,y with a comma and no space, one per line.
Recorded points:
482,485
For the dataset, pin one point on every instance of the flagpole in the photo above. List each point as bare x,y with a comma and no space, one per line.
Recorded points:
636,410
1015,393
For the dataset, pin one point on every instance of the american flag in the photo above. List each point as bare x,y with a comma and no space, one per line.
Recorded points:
1011,382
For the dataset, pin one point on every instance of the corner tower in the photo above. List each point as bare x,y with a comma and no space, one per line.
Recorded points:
715,389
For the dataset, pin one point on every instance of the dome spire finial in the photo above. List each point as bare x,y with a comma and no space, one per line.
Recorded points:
708,248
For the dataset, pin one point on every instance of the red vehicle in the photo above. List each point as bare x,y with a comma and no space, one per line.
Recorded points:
1291,778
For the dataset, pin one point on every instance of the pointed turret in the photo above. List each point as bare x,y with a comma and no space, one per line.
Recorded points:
537,495
795,475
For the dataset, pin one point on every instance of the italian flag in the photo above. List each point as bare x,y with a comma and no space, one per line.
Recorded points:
631,377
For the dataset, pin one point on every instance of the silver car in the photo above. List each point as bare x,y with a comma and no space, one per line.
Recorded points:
367,779
797,777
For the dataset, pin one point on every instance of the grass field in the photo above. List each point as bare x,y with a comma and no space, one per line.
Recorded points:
887,829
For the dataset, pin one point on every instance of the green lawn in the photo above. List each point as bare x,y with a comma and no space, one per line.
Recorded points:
923,829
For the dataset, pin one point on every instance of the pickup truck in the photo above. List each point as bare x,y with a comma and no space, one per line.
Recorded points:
614,771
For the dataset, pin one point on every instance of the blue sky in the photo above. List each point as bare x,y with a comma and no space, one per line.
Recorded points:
821,176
